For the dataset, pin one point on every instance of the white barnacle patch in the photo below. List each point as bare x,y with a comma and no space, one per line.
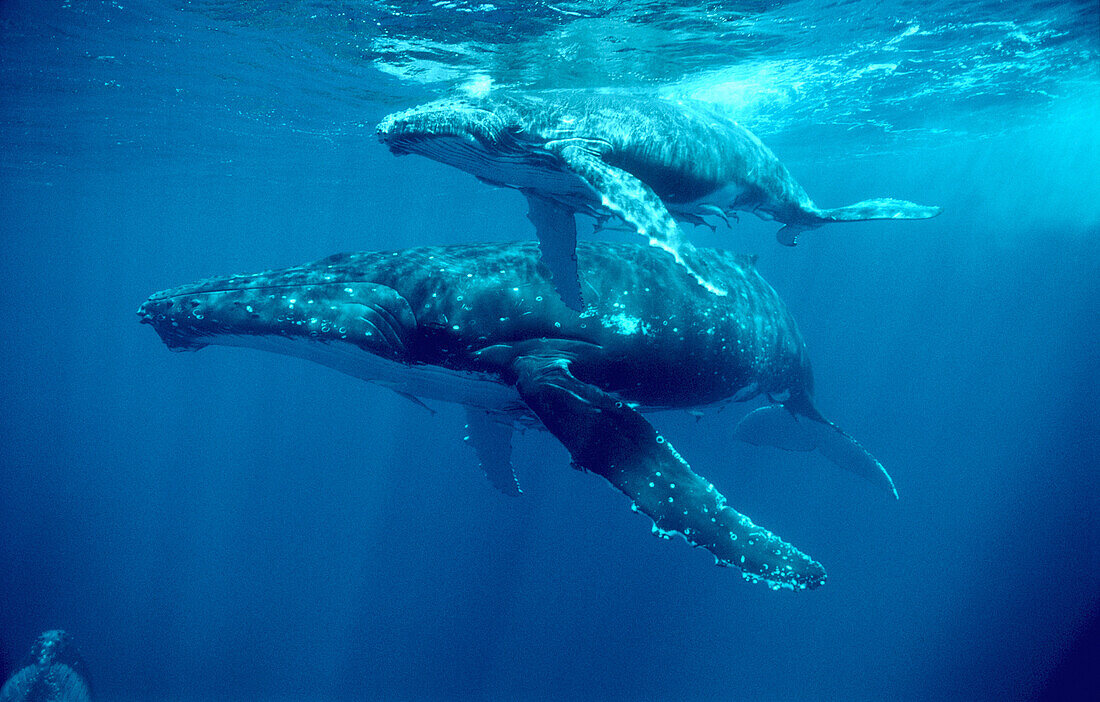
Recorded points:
774,585
622,323
662,533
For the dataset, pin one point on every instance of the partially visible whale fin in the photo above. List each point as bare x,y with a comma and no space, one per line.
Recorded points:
778,426
878,208
52,671
774,425
411,398
636,203
788,235
557,230
492,441
607,437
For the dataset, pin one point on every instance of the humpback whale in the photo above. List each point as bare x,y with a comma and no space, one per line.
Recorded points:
644,160
52,672
480,325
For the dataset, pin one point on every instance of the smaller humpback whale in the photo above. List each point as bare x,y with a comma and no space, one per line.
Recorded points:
643,160
480,325
52,672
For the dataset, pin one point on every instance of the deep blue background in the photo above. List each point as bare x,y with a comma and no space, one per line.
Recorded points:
234,525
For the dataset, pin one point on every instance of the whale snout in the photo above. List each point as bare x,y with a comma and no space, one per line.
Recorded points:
177,322
404,131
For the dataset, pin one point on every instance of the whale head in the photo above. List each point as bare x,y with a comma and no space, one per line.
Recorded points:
415,130
490,139
300,310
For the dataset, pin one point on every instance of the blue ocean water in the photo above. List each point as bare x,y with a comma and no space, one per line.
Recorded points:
235,525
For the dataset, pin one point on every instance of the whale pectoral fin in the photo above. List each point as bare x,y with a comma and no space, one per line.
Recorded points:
491,438
557,231
778,426
788,235
637,204
605,436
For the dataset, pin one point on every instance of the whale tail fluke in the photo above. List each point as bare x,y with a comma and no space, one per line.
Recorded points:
783,428
879,208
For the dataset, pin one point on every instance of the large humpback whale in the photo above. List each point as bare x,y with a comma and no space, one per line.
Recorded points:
644,160
480,325
52,672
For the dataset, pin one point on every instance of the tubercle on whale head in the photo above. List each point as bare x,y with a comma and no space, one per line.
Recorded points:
156,311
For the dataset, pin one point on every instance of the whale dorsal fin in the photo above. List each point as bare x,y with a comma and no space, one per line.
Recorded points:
491,437
557,230
605,436
633,201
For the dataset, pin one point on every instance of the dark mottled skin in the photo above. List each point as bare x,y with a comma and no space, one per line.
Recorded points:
699,349
651,336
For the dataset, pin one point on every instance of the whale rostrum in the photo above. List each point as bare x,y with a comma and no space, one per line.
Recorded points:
482,326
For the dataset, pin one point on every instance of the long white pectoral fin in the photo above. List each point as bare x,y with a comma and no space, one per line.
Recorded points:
775,425
557,230
492,441
636,203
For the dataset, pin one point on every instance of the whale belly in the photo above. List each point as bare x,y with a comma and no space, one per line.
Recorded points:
729,197
419,380
523,169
